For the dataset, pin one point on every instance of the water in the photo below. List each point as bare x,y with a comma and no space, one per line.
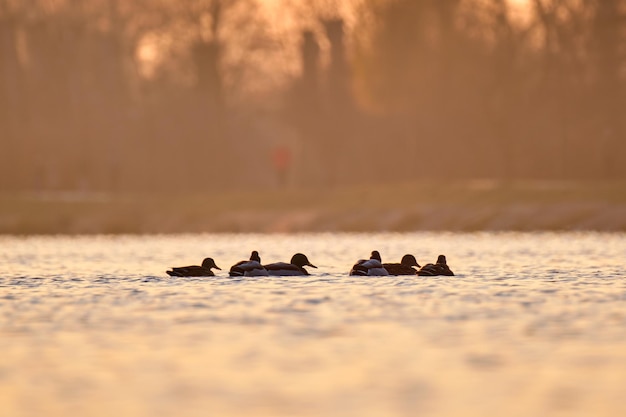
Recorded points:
532,325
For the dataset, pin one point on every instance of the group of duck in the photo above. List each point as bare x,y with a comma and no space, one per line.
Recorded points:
363,267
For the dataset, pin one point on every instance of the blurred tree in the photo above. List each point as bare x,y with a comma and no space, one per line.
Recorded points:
160,94
303,109
496,96
10,92
91,120
608,43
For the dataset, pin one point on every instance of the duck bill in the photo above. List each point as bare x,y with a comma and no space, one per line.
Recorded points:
312,266
217,267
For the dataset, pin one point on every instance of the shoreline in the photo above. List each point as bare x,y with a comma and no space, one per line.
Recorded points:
460,207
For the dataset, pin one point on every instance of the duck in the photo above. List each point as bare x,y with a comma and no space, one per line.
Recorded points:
439,268
293,268
369,267
405,267
194,270
249,268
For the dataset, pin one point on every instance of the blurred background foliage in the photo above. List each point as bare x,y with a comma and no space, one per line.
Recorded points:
206,95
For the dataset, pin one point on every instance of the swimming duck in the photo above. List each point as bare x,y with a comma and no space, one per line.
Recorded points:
369,267
439,268
294,267
249,268
405,267
195,270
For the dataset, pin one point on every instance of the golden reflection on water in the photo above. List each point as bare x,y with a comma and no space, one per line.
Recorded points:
532,325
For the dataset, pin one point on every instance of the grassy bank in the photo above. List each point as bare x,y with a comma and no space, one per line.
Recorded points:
457,206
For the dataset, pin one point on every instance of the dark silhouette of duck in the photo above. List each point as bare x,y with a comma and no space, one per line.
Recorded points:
293,268
194,270
405,267
249,268
369,267
439,268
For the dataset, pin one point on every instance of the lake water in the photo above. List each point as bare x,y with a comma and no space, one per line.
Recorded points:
532,325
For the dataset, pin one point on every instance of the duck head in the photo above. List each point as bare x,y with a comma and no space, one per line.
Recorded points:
254,256
210,263
376,255
409,260
441,259
300,259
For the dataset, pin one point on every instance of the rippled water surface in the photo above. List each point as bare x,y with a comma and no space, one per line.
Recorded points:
532,325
